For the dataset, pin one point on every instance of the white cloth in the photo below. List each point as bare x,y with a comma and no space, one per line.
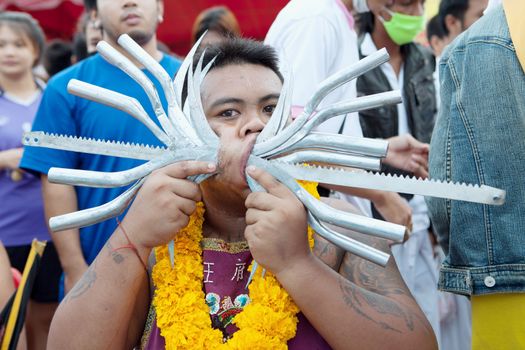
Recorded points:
315,39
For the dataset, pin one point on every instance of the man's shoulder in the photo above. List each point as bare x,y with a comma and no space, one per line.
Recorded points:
306,10
170,64
76,71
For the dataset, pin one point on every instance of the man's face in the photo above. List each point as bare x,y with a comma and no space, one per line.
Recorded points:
238,101
137,18
474,12
456,26
409,7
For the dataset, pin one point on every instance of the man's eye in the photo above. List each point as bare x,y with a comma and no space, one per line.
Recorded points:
269,109
228,113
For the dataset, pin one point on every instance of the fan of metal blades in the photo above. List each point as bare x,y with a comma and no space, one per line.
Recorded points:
283,149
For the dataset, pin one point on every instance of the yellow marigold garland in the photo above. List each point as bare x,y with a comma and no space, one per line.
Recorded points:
267,322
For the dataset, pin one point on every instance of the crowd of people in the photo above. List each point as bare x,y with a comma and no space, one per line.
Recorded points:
455,282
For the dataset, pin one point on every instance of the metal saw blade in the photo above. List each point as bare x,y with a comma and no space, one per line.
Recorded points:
393,183
87,145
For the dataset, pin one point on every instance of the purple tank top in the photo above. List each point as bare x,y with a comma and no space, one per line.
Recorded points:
225,276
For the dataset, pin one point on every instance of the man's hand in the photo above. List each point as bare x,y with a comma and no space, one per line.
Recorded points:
164,204
407,153
275,224
394,208
10,159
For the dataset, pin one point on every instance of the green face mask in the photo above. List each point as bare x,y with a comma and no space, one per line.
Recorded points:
402,28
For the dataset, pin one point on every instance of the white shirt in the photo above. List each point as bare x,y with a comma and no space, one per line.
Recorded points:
315,39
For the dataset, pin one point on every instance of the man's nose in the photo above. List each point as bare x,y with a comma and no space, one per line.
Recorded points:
253,123
130,4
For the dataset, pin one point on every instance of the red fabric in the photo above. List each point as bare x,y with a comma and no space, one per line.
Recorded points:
58,22
17,277
254,16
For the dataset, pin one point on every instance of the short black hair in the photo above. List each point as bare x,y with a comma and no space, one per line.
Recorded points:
456,8
435,28
239,51
365,22
236,51
57,56
90,5
26,24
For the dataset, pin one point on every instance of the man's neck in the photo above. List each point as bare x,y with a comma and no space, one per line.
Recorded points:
150,47
226,225
20,86
225,215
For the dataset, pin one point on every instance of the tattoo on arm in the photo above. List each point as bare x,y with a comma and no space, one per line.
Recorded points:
330,254
379,290
83,285
115,255
361,300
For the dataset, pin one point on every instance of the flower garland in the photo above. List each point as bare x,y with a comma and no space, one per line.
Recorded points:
268,321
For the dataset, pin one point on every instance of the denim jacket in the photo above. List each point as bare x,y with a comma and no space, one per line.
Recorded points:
479,138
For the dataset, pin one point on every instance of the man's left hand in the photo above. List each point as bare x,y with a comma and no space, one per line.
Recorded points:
276,224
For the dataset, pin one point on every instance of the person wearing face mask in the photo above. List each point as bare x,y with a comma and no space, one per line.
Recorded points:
410,70
317,38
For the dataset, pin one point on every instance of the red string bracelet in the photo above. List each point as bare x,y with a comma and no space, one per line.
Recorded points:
129,245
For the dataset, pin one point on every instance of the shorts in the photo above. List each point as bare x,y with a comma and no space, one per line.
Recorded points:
45,289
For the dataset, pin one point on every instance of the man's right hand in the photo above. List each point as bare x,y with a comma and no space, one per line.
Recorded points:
164,204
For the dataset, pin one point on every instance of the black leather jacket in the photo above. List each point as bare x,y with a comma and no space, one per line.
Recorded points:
418,96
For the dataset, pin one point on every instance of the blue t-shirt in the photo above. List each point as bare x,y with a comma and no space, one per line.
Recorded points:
63,113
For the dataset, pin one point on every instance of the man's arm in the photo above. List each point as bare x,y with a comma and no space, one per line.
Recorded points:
107,308
58,200
373,311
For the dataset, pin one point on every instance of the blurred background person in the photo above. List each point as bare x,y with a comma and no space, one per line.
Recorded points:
218,23
57,56
87,36
410,70
458,15
75,116
21,211
436,36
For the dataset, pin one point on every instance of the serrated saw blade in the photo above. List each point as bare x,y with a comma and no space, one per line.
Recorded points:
86,145
393,183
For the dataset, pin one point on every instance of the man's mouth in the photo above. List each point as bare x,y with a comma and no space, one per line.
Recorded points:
246,155
131,18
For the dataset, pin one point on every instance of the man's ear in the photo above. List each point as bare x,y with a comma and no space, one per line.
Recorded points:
93,15
160,16
453,25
